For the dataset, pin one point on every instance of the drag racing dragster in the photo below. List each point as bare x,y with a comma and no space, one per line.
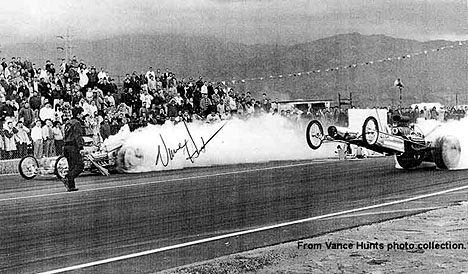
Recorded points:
96,159
404,140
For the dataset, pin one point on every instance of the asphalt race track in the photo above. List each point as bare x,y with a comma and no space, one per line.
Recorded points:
44,228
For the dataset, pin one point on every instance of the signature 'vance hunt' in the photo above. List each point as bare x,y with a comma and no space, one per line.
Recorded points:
166,154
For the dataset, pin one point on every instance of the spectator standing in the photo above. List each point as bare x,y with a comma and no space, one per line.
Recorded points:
102,74
434,114
146,99
92,77
9,137
57,131
26,115
109,100
22,139
83,74
9,109
24,89
152,84
105,129
212,118
47,113
73,144
36,136
172,109
205,104
221,109
48,138
35,104
204,89
2,144
150,73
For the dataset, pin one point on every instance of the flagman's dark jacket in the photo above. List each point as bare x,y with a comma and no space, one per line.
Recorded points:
74,134
73,143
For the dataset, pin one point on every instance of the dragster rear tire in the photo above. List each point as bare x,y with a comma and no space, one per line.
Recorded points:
408,161
447,152
314,141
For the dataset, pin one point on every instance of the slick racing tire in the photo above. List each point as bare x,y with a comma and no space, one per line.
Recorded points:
28,167
370,131
314,134
409,161
447,152
61,167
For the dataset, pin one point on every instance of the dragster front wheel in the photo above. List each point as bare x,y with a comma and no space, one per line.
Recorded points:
314,134
61,167
28,167
370,131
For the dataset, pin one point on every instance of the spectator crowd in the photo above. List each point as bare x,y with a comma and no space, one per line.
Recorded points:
35,103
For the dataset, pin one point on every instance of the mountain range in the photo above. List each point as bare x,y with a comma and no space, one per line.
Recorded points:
438,76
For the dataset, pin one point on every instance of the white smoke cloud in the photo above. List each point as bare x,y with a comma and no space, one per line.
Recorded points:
268,138
433,129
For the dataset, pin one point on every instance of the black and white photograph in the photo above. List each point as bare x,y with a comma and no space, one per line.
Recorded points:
233,136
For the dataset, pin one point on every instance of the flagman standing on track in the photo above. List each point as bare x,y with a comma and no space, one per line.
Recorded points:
73,144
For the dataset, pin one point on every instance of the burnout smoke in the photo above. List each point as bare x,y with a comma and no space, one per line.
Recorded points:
262,139
433,129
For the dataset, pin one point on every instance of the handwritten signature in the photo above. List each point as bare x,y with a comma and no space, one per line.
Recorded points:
166,155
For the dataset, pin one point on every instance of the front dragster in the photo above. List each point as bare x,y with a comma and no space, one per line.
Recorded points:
98,159
405,142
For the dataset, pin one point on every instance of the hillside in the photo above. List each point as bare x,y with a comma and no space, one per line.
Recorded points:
437,76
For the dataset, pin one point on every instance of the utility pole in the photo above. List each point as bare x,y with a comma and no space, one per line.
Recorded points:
67,46
399,85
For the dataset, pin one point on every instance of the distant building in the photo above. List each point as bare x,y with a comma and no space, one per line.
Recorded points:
304,104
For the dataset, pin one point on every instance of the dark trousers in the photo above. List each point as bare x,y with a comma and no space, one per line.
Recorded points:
75,163
58,147
22,149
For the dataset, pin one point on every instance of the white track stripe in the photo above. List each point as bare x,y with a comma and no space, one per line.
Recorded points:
157,182
384,212
239,233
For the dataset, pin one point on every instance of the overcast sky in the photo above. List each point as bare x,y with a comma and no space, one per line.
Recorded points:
247,21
